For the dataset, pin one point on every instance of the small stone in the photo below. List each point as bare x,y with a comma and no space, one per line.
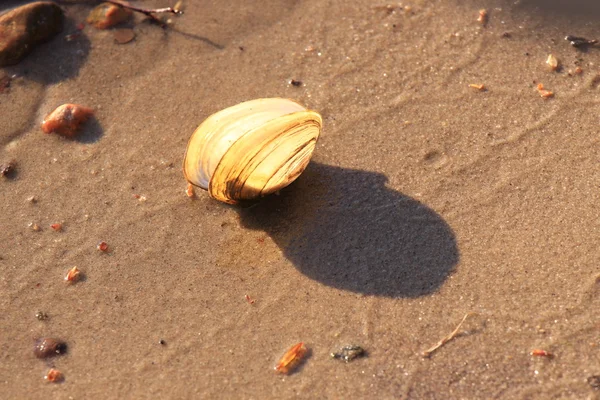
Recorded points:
42,316
49,347
124,35
54,376
4,83
8,169
23,28
349,353
106,15
66,119
594,381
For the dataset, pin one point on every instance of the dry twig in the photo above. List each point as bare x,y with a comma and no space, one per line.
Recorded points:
448,338
149,12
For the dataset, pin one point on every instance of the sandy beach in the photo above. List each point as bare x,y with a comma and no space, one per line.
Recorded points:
426,199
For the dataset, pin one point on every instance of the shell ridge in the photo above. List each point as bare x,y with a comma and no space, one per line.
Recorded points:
292,130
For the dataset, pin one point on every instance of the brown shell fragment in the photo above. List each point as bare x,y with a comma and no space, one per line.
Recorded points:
123,36
106,15
66,119
49,347
544,93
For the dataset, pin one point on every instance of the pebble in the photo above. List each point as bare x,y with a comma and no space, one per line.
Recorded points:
42,316
54,376
49,347
106,15
7,169
349,353
23,28
66,119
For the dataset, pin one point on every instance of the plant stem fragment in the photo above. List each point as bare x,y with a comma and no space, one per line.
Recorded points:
448,338
149,12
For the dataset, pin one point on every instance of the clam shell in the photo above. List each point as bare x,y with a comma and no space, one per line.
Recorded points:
252,149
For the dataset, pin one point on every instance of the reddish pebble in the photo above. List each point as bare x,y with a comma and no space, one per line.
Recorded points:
541,353
73,275
102,246
54,376
56,227
249,300
66,119
106,15
80,26
189,191
483,17
49,347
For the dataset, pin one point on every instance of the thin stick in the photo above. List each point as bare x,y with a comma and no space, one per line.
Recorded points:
146,11
448,338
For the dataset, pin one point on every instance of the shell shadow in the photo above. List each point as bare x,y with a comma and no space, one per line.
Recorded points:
196,37
576,8
346,229
91,131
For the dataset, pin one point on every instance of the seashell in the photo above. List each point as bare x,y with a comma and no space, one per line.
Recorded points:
252,149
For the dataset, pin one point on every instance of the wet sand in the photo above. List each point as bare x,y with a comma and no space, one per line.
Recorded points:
426,200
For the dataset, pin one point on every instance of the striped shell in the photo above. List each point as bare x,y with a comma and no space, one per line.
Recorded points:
252,149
